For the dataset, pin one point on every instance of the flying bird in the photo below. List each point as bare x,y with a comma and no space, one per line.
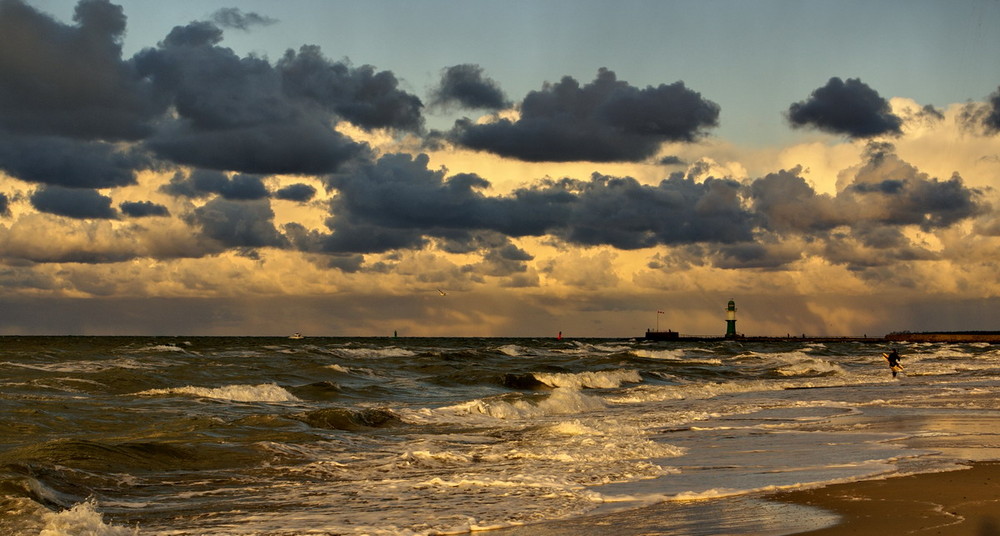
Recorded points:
443,293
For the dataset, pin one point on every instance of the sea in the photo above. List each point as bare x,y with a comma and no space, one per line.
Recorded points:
214,436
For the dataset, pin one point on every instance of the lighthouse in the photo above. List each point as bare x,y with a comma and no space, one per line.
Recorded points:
731,320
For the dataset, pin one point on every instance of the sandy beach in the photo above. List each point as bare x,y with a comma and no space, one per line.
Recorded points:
955,503
963,502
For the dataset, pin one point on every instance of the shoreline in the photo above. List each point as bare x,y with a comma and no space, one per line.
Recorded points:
962,502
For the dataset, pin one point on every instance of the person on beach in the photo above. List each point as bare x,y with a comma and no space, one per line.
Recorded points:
893,359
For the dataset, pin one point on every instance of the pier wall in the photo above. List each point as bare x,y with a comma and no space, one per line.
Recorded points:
946,336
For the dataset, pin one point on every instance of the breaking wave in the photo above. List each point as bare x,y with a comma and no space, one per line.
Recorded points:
267,392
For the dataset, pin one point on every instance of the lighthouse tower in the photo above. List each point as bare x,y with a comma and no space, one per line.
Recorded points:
731,320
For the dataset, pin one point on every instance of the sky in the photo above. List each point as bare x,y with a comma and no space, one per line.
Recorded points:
516,168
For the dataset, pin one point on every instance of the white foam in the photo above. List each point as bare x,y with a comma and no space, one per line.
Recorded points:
162,348
672,355
266,392
810,366
373,353
86,367
82,520
512,350
560,402
606,379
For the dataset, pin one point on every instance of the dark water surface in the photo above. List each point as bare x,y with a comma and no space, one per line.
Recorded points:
271,436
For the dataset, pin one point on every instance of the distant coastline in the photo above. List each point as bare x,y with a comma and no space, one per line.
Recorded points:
945,336
896,336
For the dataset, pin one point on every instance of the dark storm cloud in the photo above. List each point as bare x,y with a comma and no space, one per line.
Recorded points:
851,108
239,224
671,161
885,191
70,80
766,256
65,162
392,203
398,203
73,203
784,202
296,192
366,98
203,183
234,113
991,116
232,17
245,187
143,209
465,86
898,193
623,213
604,121
199,183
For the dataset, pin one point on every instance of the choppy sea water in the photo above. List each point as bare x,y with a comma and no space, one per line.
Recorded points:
270,436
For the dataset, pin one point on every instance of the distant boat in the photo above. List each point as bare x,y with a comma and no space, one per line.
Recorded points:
296,336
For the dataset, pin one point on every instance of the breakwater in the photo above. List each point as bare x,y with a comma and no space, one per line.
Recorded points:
945,336
899,336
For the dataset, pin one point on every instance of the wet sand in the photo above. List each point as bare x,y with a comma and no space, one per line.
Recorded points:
955,503
963,502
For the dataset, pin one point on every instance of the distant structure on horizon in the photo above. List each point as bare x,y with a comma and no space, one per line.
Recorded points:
731,320
896,336
671,335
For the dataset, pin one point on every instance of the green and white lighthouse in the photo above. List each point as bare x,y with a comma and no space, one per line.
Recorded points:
731,320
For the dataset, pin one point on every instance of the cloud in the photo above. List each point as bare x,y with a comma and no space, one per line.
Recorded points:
621,212
234,113
984,117
604,121
784,202
771,255
362,96
203,183
883,191
232,17
238,224
73,203
296,192
61,161
4,205
992,120
143,209
465,86
890,191
851,108
59,80
398,202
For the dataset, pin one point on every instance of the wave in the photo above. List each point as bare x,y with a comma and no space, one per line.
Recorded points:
560,402
607,379
673,354
266,392
87,367
349,419
162,348
82,520
372,353
810,367
526,382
